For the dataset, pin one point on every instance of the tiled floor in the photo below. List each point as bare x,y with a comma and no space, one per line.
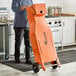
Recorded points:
65,70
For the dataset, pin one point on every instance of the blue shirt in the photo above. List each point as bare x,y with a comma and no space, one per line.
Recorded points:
20,16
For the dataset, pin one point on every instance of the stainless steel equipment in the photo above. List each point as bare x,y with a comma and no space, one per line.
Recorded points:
55,25
3,26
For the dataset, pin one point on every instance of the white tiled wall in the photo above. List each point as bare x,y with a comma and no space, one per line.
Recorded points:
3,3
38,1
54,2
9,7
7,3
69,6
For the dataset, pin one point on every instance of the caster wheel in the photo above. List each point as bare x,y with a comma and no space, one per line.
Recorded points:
55,66
36,67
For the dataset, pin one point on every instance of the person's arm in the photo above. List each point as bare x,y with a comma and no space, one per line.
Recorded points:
15,6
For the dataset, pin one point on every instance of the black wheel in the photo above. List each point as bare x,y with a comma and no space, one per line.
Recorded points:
36,67
55,65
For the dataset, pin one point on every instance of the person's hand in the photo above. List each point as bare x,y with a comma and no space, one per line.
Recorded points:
23,7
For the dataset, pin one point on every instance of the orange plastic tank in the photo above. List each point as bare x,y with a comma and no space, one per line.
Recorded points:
41,37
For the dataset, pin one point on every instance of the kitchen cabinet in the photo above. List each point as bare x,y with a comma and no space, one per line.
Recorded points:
64,32
55,26
68,35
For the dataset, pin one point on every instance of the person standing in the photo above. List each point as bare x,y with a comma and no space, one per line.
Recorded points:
21,28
